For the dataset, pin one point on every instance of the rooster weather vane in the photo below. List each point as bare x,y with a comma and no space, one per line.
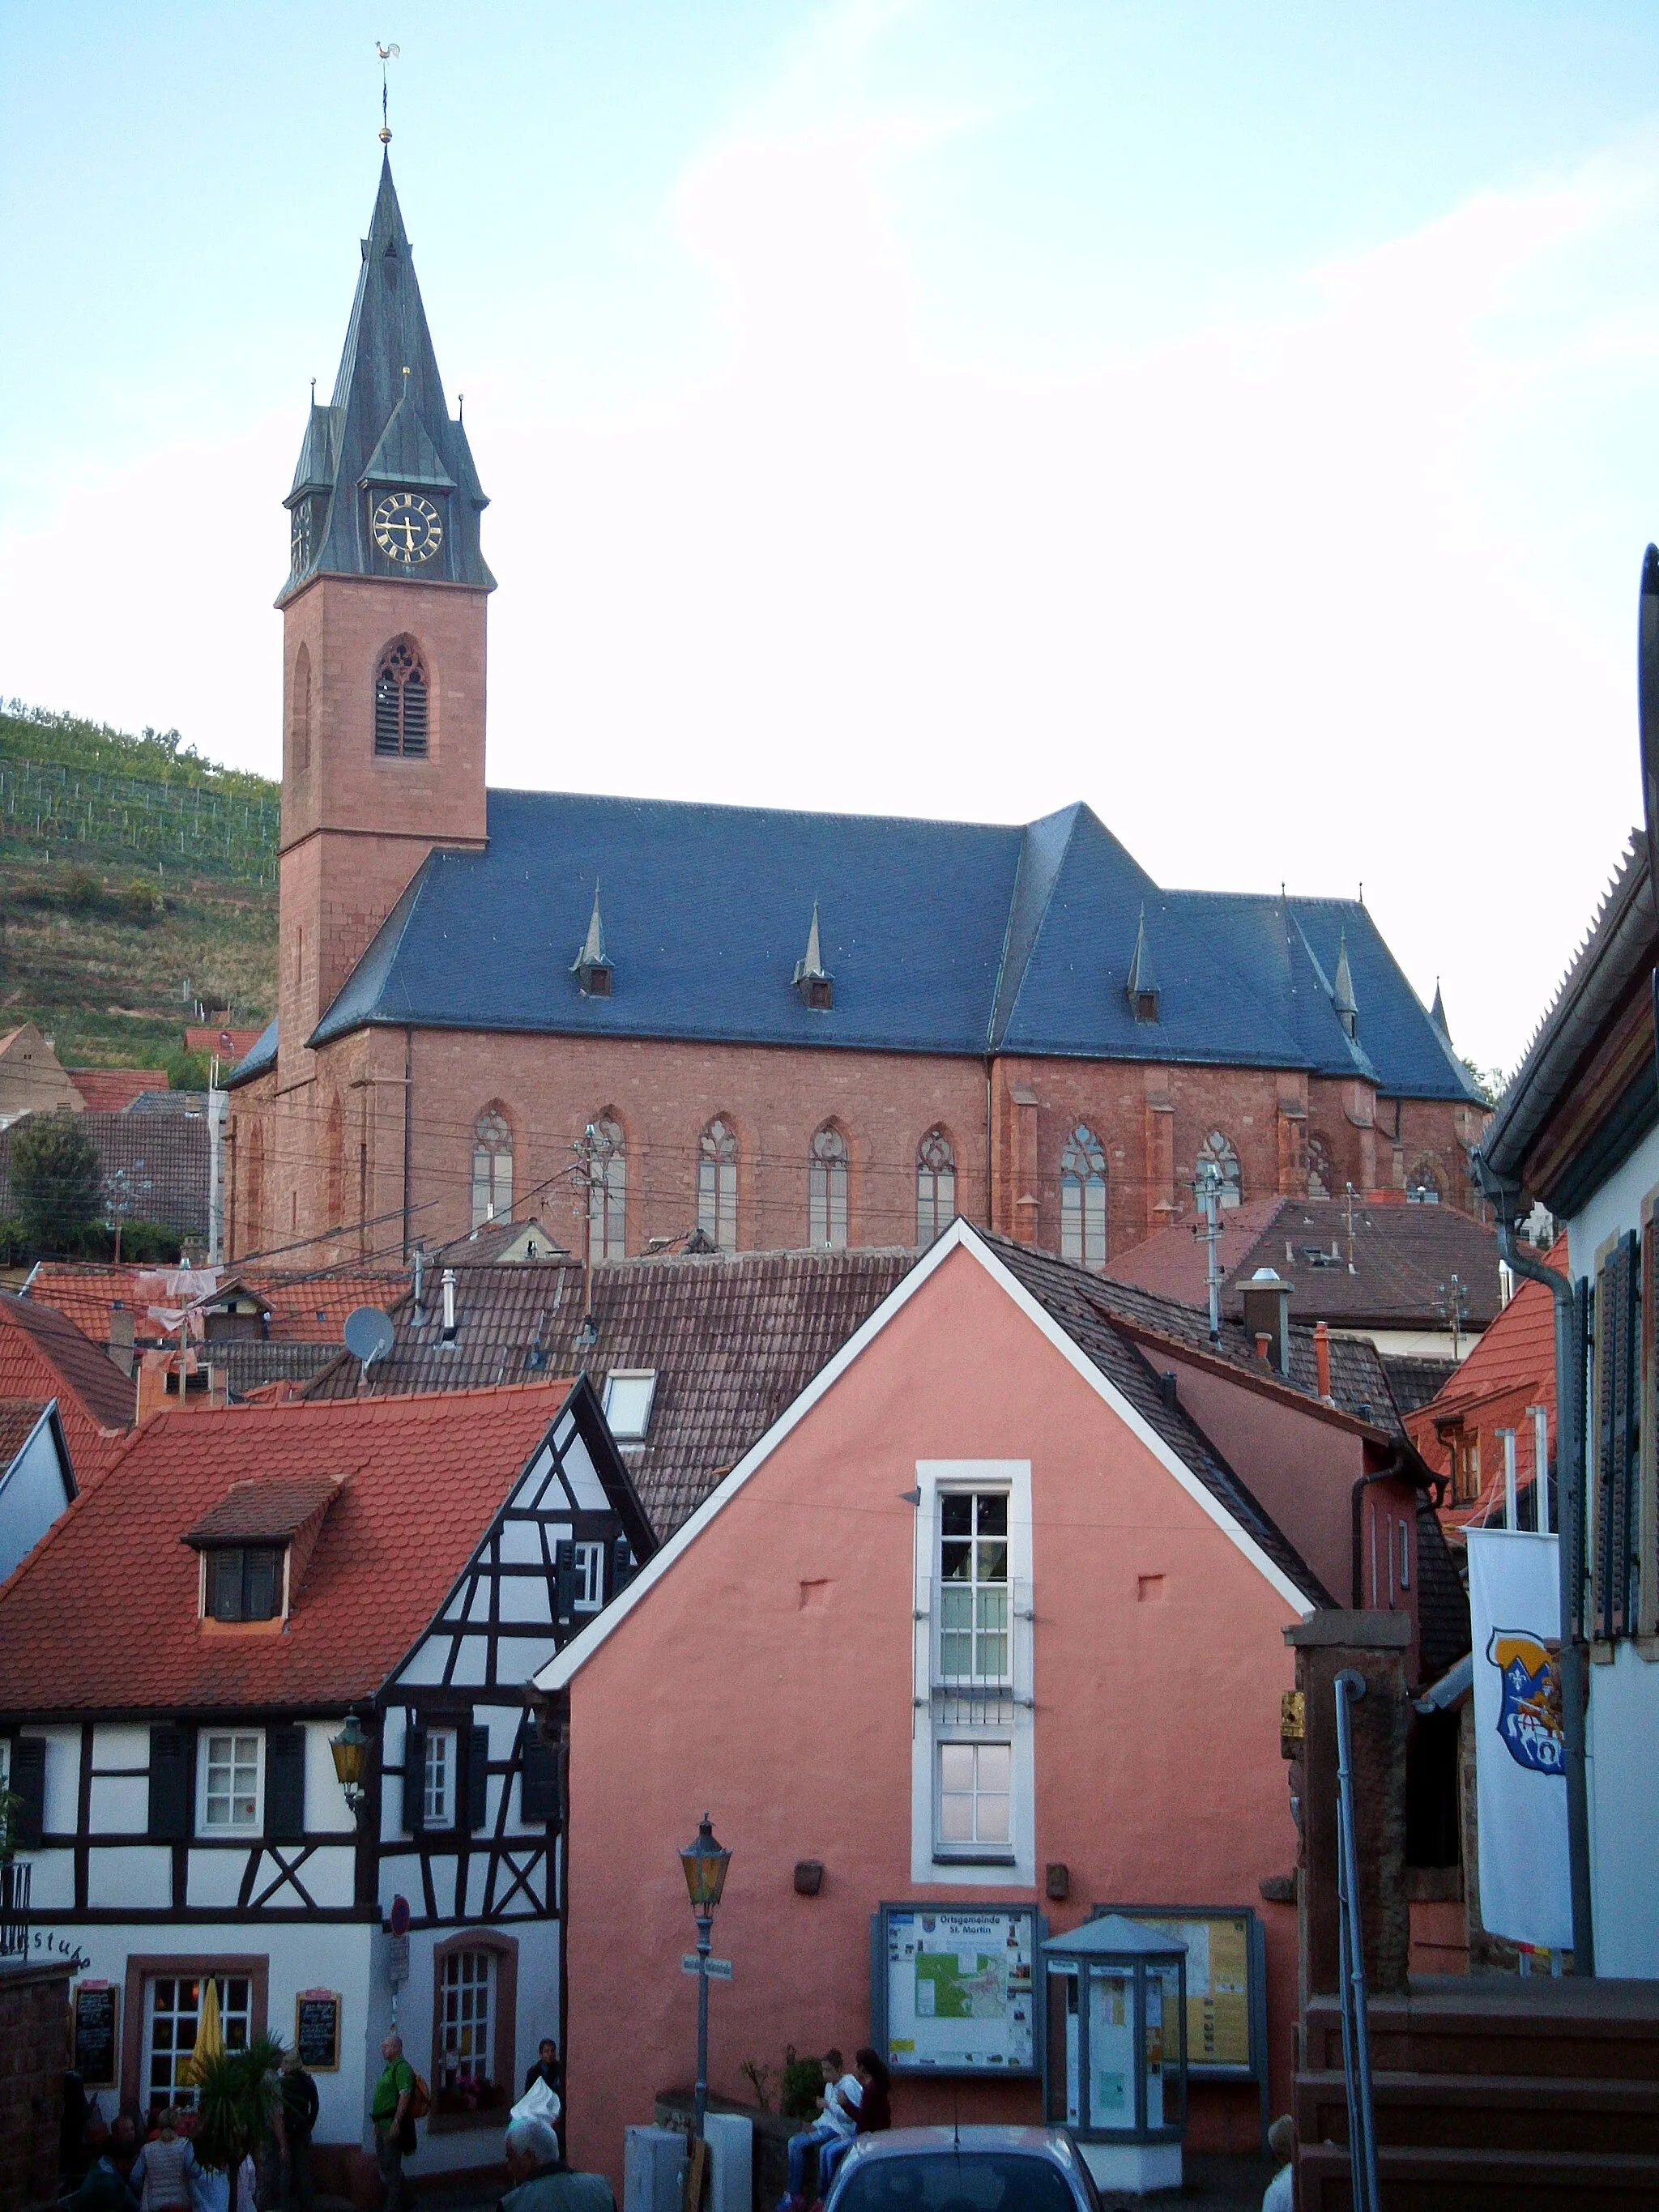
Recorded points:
388,53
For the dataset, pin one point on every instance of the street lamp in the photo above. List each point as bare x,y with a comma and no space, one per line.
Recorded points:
350,1750
705,1864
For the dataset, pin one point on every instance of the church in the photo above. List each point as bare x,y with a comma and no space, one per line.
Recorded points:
637,1022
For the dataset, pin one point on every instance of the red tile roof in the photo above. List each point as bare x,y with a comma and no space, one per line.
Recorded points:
102,1615
18,1417
44,1355
258,1511
112,1090
156,1296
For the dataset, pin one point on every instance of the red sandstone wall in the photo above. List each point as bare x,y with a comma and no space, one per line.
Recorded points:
1160,1665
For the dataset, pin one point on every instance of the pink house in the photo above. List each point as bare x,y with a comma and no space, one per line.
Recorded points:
986,1617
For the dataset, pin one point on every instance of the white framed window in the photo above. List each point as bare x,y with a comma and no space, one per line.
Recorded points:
826,1190
438,1781
172,2014
936,1186
974,1643
232,1782
607,1188
1082,1199
590,1576
627,1395
466,2008
717,1185
974,1799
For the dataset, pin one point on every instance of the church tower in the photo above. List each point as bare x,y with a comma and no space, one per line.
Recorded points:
383,641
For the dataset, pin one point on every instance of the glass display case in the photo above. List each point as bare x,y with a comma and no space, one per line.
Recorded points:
1117,2049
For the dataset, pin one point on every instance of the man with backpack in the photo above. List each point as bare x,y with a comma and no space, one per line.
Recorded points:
392,2112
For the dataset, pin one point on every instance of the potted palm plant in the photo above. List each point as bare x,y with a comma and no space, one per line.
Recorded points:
236,2099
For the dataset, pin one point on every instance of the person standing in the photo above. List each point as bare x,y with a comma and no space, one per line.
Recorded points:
168,2169
389,2111
299,2107
546,2068
542,2182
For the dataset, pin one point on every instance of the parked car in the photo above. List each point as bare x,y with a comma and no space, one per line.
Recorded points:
979,2169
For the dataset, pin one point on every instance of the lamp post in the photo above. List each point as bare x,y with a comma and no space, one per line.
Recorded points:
705,1864
350,1750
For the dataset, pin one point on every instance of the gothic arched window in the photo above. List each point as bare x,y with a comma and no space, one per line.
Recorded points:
826,1190
1321,1176
1082,1199
492,1167
299,715
717,1185
936,1186
400,702
607,1188
1217,1151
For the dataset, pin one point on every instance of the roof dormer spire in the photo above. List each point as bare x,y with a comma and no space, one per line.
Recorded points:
812,981
1342,997
1141,986
591,969
1437,1012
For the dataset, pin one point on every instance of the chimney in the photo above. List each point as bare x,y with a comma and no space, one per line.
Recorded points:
449,1304
1262,1341
1322,1361
120,1338
153,1369
1267,1301
417,1317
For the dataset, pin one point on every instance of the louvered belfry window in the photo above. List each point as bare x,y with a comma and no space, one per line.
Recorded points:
400,704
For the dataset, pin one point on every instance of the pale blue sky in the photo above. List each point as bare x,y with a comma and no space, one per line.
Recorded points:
1239,417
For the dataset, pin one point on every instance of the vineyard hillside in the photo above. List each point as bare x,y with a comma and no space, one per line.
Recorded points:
137,881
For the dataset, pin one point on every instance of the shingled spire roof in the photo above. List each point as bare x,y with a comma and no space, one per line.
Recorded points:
387,425
812,979
590,967
1142,983
1437,1012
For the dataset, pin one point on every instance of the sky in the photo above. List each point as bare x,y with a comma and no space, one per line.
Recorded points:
1239,417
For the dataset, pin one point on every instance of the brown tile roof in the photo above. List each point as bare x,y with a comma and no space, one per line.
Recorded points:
1414,1381
305,1309
262,1510
421,1477
163,1156
732,1341
1401,1255
112,1090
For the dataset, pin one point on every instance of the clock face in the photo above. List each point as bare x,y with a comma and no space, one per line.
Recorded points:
408,529
300,536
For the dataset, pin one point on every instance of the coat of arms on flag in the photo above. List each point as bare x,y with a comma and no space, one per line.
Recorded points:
1530,1717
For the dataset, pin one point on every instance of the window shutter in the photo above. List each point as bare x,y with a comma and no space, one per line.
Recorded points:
1572,1458
564,1574
477,1776
171,1763
622,1565
1616,1362
285,1786
538,1786
28,1785
414,1777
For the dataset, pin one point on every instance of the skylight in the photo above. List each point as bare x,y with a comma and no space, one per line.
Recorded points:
627,1395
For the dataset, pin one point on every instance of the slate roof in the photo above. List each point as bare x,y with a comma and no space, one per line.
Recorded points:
1442,1603
422,1479
1401,1255
943,937
732,1342
1414,1381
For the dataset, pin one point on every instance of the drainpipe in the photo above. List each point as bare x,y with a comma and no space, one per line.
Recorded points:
1569,1455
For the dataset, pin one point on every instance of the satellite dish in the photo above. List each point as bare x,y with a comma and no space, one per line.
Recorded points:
368,1335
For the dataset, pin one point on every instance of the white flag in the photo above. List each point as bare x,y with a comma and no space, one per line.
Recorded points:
1521,1789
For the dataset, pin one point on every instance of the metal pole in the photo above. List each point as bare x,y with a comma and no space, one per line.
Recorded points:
1356,2041
705,1922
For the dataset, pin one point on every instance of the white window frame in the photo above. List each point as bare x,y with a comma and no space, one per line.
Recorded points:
648,1376
183,2093
981,1851
446,1743
212,1830
937,1713
492,1991
589,1563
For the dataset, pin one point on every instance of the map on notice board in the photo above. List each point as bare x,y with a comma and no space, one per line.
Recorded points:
960,1989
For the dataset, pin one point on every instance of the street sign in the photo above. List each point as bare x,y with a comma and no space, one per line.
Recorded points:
397,1965
720,1970
398,1918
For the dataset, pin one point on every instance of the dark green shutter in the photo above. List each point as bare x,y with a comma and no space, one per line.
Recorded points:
1572,1456
171,1777
415,1777
564,1579
538,1788
478,1775
28,1786
1618,1369
622,1565
285,1786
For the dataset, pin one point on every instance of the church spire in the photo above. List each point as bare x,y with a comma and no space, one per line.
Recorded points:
1142,983
385,486
592,971
1342,997
1437,1012
812,979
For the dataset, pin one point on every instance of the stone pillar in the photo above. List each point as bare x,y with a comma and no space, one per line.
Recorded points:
1374,1645
1025,1162
1158,1144
34,2052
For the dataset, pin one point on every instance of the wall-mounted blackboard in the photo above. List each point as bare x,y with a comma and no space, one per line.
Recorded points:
317,2030
96,2010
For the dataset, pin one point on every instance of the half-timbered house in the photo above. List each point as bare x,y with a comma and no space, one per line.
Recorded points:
177,1656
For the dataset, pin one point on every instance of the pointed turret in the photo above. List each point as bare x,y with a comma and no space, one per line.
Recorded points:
1142,983
1437,1012
590,967
1342,997
812,979
386,485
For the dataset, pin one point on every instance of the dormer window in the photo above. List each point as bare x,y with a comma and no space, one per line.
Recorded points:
245,1583
628,1397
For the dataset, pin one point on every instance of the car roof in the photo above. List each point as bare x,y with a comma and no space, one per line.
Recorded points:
893,2143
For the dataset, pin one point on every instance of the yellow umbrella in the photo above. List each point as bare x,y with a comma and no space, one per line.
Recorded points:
210,2035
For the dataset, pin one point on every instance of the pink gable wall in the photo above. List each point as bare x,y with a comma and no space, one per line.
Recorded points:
768,1677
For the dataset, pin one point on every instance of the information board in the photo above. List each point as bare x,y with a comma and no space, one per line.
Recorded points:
95,2004
957,1990
1226,1998
317,2030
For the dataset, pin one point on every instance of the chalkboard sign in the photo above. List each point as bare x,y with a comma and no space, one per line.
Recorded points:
317,2030
94,2034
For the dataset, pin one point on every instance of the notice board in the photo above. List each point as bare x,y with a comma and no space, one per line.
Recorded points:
957,1990
97,2007
1226,1984
317,2030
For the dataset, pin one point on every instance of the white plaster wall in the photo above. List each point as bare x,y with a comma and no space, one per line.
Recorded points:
1614,1207
1622,1771
129,1874
121,1743
326,1805
62,1792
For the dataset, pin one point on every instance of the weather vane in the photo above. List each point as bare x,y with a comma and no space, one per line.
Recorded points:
388,53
